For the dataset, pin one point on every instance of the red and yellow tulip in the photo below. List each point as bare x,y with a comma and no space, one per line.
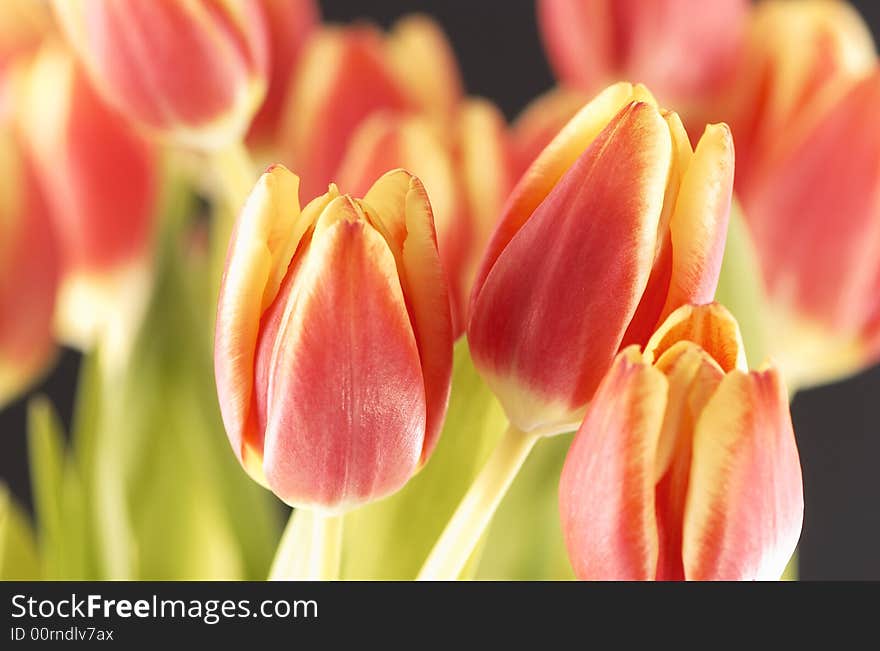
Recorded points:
193,72
686,465
808,176
466,171
617,223
333,346
100,179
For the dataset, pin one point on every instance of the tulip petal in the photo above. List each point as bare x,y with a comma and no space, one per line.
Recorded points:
709,326
606,491
745,502
699,222
596,229
263,241
550,166
399,202
345,421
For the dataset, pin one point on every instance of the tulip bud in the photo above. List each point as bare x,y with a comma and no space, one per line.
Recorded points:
348,74
679,48
28,273
686,465
100,179
194,72
465,169
617,223
333,347
288,25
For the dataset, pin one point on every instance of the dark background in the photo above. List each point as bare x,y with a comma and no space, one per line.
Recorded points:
838,427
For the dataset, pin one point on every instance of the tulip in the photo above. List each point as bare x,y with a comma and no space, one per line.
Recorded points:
193,72
100,179
809,184
289,23
348,74
686,465
617,223
681,49
465,170
23,25
29,269
333,346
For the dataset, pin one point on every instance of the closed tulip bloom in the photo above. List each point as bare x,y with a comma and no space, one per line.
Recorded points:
289,23
686,465
680,49
348,74
617,223
333,346
539,123
466,172
100,178
29,270
194,72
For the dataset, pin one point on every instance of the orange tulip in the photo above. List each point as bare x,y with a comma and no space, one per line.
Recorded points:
682,49
100,179
617,223
686,465
29,269
539,123
333,347
465,169
288,24
348,74
194,72
809,182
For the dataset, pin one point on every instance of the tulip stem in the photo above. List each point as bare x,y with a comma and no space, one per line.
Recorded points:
310,548
457,542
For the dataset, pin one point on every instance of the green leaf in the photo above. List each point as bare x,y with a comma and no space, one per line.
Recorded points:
58,496
390,539
741,288
18,548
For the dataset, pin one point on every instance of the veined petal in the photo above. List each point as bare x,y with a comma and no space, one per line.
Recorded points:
399,204
550,166
606,491
699,221
544,319
345,421
745,502
709,326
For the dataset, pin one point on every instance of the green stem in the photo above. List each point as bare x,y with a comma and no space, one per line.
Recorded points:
310,548
457,542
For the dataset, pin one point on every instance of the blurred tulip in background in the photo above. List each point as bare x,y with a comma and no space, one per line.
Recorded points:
193,72
342,301
100,178
686,465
